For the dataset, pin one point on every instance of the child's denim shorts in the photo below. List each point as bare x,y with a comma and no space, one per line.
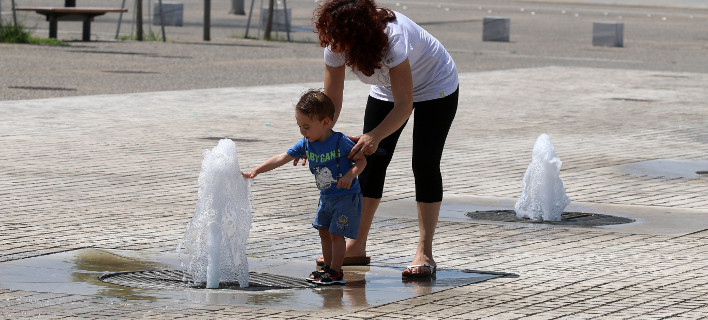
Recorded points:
340,215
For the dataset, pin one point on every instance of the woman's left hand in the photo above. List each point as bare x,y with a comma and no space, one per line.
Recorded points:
365,145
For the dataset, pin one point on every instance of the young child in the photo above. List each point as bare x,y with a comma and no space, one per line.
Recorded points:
339,207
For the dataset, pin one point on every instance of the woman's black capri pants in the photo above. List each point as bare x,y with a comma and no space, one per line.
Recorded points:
433,119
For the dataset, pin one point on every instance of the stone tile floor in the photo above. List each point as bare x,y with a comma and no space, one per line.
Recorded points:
120,172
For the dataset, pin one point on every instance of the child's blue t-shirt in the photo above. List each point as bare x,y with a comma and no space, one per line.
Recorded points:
328,162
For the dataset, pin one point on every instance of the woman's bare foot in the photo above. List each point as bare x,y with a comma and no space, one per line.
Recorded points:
419,266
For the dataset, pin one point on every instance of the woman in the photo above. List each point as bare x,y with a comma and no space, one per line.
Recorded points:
408,69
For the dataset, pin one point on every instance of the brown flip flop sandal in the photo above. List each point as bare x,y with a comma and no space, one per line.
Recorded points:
349,261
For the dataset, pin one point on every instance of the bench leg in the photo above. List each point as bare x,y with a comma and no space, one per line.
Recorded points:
87,30
53,27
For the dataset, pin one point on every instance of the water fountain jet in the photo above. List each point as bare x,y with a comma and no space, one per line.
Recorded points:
216,236
543,194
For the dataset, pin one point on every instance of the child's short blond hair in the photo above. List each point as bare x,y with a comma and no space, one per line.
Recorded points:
315,104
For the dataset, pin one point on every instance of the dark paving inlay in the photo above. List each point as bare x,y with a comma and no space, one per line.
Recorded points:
567,218
42,88
157,277
130,72
144,54
234,139
633,100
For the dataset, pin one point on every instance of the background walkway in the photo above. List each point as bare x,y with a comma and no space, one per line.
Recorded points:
542,34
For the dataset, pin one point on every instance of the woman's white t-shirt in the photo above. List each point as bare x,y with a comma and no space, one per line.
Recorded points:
434,72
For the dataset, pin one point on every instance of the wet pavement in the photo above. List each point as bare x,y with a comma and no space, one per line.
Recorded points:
97,272
95,183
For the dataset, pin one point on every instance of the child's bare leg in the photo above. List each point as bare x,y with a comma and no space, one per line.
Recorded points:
339,247
326,242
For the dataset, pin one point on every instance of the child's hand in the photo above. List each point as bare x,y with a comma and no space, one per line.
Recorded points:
297,160
249,175
344,182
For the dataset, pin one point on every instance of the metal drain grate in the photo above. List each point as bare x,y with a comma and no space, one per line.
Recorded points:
178,280
567,218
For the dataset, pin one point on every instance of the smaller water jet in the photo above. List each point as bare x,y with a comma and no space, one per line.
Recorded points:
216,236
543,195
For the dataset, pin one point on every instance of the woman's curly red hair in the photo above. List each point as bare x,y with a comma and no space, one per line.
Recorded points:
357,26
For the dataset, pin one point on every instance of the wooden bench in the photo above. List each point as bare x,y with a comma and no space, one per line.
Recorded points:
70,13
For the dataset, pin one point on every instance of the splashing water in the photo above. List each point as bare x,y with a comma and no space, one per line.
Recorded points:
543,195
216,237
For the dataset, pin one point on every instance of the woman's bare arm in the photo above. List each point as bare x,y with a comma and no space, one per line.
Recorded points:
402,88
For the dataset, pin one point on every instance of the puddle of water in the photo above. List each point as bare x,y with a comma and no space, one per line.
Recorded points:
77,272
666,168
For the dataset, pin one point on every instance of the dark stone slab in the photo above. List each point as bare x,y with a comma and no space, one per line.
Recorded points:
608,34
496,29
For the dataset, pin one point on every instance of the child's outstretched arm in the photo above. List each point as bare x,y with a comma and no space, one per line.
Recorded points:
346,181
270,164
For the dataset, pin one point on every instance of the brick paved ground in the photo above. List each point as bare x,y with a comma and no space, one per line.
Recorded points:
120,171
